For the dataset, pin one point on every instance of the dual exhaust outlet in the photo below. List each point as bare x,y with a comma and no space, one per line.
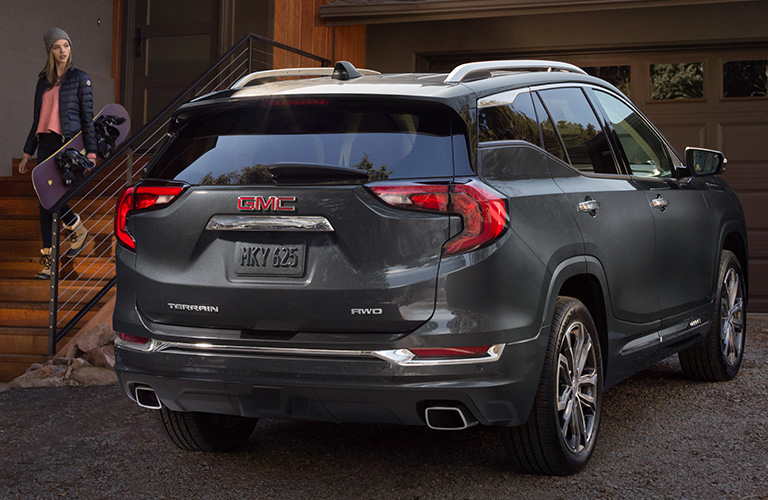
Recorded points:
441,418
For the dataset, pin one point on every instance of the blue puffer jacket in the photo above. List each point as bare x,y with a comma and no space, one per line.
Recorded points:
75,109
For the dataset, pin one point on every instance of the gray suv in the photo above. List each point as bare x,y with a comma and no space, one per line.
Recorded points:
493,246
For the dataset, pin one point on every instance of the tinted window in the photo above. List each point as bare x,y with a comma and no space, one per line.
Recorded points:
516,121
552,142
645,152
584,139
235,145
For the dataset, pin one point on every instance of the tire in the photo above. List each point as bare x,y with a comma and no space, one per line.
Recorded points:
718,357
552,441
193,431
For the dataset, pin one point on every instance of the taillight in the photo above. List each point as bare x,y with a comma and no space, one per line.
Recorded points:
140,198
482,210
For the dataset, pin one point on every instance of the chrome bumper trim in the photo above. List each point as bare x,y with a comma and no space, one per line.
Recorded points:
269,223
401,357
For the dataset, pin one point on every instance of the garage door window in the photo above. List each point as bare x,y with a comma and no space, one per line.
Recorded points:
618,76
677,81
745,79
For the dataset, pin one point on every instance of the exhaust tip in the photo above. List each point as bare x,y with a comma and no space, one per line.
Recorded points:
146,397
448,418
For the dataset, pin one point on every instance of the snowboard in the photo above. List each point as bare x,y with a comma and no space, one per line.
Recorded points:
112,127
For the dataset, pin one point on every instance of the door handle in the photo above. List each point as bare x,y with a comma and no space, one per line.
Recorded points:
589,206
660,203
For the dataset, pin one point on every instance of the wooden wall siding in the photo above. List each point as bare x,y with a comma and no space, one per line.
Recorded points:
298,24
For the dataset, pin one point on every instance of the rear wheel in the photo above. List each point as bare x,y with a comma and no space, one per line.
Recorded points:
194,431
560,434
718,358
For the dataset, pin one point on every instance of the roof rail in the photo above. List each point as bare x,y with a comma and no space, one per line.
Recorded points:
255,78
485,69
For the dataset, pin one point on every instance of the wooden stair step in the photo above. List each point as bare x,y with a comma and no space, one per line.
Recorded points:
13,365
20,229
32,314
78,268
29,206
26,290
20,248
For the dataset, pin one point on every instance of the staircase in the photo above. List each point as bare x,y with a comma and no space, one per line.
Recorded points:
24,302
85,283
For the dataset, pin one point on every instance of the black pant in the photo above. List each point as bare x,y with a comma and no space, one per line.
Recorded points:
47,145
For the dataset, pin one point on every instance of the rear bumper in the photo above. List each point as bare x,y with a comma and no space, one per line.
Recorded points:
344,388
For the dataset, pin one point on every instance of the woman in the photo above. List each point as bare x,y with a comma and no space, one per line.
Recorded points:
63,107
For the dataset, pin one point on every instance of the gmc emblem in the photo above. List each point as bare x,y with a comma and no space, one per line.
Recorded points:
268,204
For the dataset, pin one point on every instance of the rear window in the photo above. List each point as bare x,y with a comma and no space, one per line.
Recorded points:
235,145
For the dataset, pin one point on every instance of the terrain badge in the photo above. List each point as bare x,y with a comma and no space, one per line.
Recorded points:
50,182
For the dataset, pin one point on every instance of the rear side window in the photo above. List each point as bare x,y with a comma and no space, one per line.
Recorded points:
235,145
581,132
510,122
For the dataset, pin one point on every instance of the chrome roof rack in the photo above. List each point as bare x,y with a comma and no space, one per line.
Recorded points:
485,69
345,72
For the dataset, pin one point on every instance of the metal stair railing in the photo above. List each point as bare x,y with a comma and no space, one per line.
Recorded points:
94,198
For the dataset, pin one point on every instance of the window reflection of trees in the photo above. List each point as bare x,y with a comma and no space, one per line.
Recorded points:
504,123
260,174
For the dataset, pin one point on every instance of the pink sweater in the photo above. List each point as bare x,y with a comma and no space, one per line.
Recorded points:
49,112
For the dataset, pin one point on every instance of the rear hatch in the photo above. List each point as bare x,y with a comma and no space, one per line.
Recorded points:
278,229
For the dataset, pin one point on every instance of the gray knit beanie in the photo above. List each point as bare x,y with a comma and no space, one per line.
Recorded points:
52,36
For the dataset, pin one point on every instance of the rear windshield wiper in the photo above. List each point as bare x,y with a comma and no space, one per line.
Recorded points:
292,173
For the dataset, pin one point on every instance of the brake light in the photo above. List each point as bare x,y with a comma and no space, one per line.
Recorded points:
136,198
482,210
451,352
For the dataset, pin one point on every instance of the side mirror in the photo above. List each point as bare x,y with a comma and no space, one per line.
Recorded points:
704,161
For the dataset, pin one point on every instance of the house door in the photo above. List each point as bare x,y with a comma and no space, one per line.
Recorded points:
174,43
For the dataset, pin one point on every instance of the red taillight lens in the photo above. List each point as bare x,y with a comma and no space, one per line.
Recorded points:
482,210
415,196
140,198
484,214
133,338
451,352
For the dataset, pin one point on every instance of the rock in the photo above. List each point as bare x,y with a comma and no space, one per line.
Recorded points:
91,375
102,357
99,335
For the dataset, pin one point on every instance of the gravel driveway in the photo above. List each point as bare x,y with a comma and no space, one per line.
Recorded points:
662,436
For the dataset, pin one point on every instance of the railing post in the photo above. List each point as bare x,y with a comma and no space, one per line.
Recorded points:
54,291
129,166
250,55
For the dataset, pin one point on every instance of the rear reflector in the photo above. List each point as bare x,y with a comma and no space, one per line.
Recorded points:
133,338
451,352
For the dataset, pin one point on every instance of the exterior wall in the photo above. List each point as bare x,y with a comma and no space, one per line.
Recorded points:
402,46
23,55
298,24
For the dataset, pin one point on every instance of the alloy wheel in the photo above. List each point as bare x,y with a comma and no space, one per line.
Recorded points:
577,382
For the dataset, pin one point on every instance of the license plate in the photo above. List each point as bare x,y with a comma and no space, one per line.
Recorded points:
269,259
